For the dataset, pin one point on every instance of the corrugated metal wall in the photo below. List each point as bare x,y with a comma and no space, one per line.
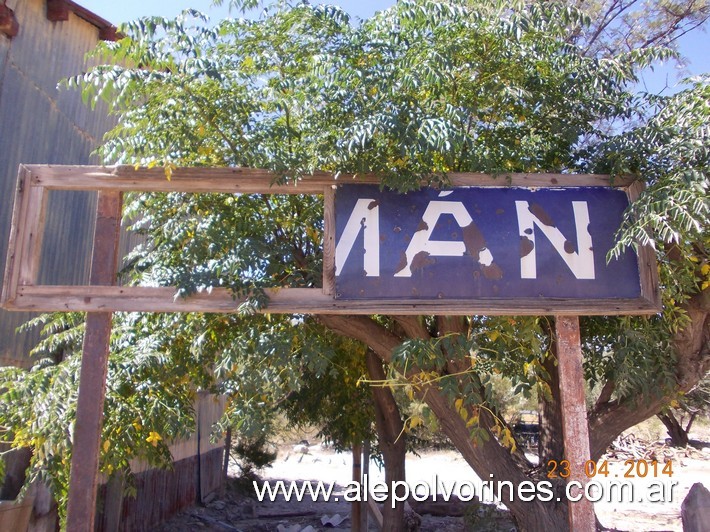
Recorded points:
197,472
41,124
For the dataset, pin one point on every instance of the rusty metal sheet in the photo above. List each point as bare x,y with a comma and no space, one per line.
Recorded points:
481,242
161,493
42,124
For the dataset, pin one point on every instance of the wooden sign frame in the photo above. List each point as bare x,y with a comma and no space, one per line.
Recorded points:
21,291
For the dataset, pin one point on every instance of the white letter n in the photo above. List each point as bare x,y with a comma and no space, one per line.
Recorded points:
365,215
581,262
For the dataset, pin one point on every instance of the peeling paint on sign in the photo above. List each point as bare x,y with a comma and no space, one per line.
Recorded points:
481,242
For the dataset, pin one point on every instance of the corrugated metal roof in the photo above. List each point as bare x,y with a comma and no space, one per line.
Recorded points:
107,31
57,11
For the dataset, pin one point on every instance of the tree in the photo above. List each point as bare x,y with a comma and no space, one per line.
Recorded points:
344,409
418,91
627,25
678,417
38,407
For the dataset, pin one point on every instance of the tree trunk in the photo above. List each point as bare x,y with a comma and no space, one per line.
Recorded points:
392,443
608,418
692,348
678,436
489,459
551,443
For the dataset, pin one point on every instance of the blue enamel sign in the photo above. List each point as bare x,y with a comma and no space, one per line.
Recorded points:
481,242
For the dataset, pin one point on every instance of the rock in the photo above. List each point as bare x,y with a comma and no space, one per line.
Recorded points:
294,528
333,521
695,510
248,510
217,505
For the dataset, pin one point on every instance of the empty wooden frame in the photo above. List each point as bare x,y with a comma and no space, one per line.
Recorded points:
22,292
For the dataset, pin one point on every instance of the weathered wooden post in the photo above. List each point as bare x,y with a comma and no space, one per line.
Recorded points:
81,511
575,430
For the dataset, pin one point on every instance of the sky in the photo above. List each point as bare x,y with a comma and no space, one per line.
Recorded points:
117,12
695,45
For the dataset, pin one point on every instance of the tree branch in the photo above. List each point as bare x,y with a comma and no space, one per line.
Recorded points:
487,458
412,327
692,348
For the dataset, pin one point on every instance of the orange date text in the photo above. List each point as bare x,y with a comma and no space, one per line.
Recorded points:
631,469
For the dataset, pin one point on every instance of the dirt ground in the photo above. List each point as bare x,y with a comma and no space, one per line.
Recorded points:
237,512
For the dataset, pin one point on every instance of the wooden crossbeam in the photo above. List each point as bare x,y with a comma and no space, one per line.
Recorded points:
22,293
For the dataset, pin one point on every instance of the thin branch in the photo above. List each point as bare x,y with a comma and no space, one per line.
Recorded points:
607,19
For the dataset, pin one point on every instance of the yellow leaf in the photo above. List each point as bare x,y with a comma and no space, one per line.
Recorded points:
508,440
107,444
153,438
410,392
458,403
705,269
493,335
168,172
414,422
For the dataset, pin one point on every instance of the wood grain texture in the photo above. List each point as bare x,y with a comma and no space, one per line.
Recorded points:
648,267
26,233
33,227
258,181
574,417
83,483
11,278
297,301
329,241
